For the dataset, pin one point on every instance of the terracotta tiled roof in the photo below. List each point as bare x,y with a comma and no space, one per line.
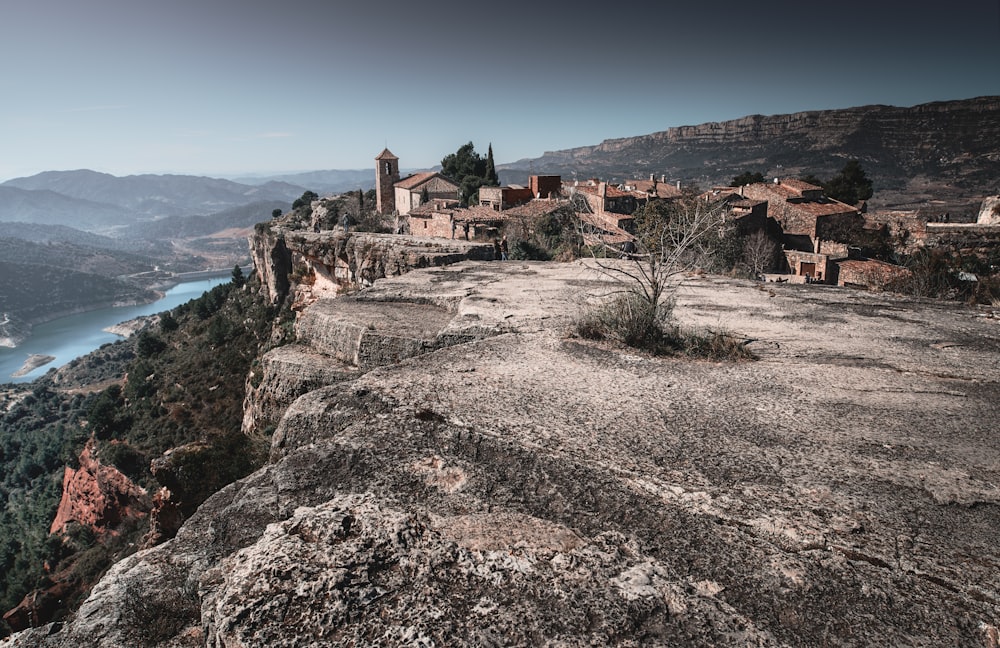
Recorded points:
612,192
776,193
828,207
535,208
386,154
662,189
415,180
800,185
480,214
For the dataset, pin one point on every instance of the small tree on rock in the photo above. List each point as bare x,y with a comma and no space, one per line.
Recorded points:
670,242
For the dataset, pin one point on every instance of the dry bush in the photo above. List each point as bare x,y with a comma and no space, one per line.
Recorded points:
155,612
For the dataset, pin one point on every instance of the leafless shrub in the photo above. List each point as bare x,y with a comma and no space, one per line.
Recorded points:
155,612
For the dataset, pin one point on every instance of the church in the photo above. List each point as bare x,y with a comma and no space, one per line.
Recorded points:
396,196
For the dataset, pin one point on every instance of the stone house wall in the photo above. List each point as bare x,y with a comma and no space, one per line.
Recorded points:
545,186
808,264
437,187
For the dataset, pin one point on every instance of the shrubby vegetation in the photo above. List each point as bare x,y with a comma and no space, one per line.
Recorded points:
672,240
184,383
40,433
471,171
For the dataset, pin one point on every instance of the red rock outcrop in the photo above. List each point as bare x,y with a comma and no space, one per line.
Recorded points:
98,496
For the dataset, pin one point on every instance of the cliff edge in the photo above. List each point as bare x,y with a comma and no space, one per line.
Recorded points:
513,485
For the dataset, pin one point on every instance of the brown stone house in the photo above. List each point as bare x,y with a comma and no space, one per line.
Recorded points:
446,219
812,224
415,189
867,273
501,198
654,188
604,198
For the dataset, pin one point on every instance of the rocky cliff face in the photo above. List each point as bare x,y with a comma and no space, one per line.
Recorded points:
989,212
337,340
953,146
328,263
527,488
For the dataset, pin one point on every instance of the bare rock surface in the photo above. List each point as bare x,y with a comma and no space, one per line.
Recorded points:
989,211
533,489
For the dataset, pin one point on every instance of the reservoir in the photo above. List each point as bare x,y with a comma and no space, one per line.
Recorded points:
70,337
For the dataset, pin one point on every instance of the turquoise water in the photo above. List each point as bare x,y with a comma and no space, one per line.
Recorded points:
70,337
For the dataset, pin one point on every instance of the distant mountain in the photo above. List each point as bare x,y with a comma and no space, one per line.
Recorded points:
948,149
39,233
243,216
51,208
322,182
73,256
152,195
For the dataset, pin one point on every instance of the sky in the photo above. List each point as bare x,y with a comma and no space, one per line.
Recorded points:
232,87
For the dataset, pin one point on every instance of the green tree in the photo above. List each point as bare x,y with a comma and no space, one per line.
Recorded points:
275,213
168,322
851,185
238,278
747,177
468,169
305,200
491,179
148,344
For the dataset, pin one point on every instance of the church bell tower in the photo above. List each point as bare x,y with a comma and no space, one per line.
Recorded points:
386,175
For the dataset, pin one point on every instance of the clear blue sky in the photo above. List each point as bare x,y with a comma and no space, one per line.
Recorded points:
224,87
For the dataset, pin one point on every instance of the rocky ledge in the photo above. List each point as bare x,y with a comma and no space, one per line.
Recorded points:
528,488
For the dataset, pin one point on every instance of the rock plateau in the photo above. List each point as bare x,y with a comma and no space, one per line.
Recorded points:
451,467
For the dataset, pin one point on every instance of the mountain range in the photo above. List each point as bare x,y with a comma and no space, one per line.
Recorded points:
947,151
95,201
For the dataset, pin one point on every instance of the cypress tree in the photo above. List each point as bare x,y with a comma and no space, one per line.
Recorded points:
491,171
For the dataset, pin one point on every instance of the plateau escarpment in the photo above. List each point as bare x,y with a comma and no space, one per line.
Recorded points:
336,339
523,487
942,151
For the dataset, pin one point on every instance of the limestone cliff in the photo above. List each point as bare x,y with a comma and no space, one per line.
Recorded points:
526,488
952,146
336,340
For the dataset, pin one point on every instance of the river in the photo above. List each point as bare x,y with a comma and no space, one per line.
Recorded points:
70,337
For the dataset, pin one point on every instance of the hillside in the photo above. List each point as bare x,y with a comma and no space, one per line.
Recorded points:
46,207
454,468
946,151
139,196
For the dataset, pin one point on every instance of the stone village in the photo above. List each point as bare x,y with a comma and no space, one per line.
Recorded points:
818,239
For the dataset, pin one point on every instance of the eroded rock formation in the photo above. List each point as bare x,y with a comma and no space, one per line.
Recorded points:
989,211
529,488
97,496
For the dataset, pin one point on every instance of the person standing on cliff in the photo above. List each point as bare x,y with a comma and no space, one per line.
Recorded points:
346,222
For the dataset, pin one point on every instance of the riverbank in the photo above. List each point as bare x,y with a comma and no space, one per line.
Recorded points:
70,337
33,362
14,332
130,327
